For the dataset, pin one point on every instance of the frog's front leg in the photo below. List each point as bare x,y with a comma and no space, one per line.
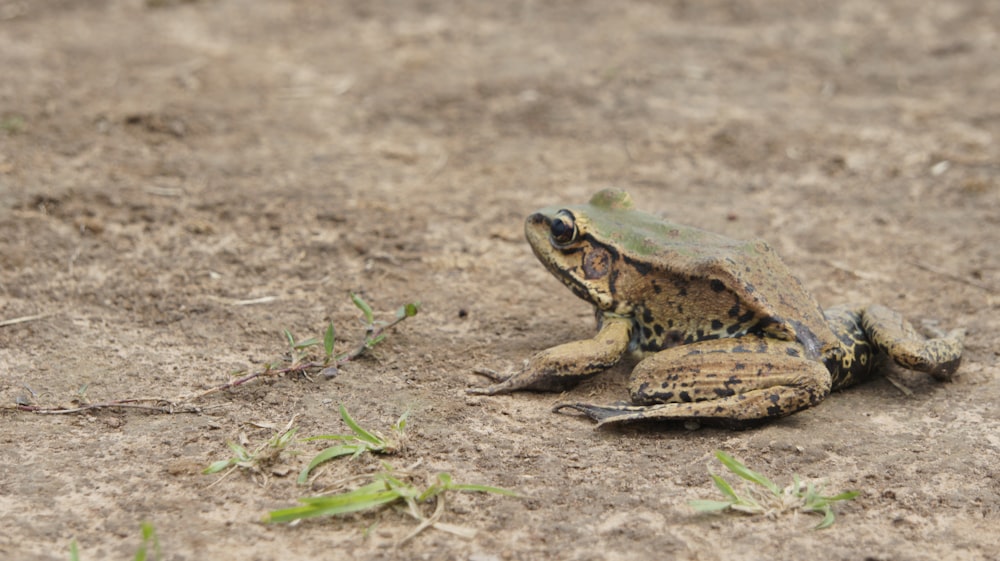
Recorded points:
562,366
722,380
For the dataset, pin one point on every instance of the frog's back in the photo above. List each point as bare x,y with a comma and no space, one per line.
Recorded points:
704,285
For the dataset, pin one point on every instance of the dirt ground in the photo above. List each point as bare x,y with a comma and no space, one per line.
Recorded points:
164,162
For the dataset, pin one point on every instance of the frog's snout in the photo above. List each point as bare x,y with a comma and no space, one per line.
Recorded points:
536,229
536,220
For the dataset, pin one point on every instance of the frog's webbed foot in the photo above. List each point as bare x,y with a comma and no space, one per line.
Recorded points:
493,389
940,357
491,374
604,413
624,413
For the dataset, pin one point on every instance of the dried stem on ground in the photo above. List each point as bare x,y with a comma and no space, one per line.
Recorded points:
373,334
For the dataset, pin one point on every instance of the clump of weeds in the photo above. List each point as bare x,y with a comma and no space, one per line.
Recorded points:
354,445
257,462
766,498
387,487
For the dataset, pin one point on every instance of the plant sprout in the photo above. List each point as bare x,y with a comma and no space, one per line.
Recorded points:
797,496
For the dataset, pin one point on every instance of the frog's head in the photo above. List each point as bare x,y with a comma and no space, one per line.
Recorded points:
579,245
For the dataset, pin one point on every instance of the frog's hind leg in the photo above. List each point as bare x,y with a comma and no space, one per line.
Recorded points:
895,337
725,381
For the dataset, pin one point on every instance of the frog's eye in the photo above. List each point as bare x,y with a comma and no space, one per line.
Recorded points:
563,229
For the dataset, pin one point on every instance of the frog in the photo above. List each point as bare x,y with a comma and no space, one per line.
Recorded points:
720,330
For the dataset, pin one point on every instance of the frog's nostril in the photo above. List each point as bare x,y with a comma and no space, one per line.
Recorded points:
538,218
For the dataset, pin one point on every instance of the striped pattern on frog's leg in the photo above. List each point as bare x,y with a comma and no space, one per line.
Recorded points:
728,381
859,359
895,337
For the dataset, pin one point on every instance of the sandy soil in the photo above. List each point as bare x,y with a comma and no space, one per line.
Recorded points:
162,161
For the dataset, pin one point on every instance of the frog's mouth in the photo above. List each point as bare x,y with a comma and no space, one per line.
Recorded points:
565,256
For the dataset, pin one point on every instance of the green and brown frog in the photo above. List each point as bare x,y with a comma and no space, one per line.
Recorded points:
723,331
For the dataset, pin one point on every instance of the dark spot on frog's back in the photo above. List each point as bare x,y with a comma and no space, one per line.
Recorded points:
735,310
647,316
640,267
717,285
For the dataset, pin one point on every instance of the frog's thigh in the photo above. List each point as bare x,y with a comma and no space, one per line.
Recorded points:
724,380
894,336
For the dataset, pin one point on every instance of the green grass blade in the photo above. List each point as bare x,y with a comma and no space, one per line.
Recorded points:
725,487
733,465
362,433
828,519
333,508
364,490
327,455
328,339
703,505
74,551
216,467
367,497
284,439
845,496
241,452
148,536
400,425
290,338
404,489
481,489
343,437
312,341
749,506
364,307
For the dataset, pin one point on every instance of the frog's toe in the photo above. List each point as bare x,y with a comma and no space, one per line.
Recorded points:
601,413
491,374
493,389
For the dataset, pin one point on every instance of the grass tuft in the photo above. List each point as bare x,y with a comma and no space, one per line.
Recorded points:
389,486
255,461
356,444
798,496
